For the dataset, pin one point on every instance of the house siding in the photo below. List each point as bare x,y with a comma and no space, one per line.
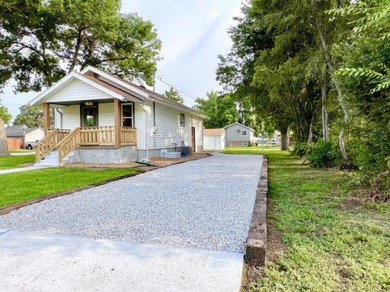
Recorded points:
70,117
167,129
106,114
37,134
234,135
77,90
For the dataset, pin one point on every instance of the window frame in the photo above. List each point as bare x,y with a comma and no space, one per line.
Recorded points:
132,118
182,120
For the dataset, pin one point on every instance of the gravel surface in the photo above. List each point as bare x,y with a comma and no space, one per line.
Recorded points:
204,204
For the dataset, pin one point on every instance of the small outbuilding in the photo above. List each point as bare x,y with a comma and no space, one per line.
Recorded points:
214,139
19,136
238,135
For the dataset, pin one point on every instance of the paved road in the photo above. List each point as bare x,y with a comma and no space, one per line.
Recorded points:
175,228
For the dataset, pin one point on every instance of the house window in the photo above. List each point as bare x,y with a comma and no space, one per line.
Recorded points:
244,133
127,115
182,120
89,115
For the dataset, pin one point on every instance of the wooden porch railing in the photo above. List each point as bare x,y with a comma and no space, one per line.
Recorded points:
97,136
70,143
128,135
49,142
66,141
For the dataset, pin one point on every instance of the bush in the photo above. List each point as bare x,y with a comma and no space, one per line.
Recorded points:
299,149
322,155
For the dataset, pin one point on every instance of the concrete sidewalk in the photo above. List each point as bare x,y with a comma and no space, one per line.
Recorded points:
22,169
33,262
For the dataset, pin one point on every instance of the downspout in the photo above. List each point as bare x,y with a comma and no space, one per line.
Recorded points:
61,116
145,133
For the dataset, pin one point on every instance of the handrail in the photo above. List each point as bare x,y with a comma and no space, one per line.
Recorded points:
67,145
46,144
49,142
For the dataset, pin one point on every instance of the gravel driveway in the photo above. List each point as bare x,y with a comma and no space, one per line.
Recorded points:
205,204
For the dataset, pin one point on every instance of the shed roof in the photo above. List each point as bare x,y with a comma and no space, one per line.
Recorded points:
213,132
18,131
238,124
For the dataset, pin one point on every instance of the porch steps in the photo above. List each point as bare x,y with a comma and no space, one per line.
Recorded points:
51,159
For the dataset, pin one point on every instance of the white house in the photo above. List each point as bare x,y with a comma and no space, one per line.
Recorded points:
238,135
214,139
101,118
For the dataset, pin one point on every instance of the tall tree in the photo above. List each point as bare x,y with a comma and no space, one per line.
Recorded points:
4,114
43,40
220,110
174,95
365,77
40,41
29,116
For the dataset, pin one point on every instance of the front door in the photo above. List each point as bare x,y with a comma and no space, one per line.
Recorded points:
193,140
89,116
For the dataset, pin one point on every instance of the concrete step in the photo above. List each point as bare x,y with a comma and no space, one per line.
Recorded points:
51,159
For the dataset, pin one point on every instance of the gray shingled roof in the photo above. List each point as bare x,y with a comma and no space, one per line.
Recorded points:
18,131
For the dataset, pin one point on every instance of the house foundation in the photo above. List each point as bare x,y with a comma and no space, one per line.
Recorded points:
123,154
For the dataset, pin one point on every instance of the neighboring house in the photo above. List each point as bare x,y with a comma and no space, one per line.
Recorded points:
22,137
238,135
101,118
214,139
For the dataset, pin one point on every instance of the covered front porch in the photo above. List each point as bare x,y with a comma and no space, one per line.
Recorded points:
66,141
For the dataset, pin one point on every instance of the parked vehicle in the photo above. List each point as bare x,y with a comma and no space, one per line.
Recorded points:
31,144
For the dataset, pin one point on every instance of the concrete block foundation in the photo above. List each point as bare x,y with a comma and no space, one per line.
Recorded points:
124,154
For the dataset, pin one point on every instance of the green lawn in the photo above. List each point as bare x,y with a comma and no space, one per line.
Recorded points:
333,241
12,161
23,186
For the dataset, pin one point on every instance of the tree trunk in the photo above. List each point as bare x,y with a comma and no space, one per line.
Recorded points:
76,51
3,139
336,83
325,128
284,139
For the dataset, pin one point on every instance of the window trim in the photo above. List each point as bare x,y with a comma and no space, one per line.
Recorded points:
132,113
182,120
244,131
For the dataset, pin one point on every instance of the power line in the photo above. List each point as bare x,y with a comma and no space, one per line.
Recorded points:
182,92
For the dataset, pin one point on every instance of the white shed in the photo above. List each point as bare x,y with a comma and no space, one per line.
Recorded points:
214,139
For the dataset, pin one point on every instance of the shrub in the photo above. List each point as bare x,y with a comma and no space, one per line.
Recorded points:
299,149
322,155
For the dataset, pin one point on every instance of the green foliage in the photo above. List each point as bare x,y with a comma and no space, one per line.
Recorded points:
219,109
174,95
23,186
4,114
40,41
300,149
321,155
329,244
29,116
364,74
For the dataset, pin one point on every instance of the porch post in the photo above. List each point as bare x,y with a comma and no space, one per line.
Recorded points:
117,125
46,114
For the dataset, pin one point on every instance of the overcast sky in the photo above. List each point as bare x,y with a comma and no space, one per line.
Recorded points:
192,32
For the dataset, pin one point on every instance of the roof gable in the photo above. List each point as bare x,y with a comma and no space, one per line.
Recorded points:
241,125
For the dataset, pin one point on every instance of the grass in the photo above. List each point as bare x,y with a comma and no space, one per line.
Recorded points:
11,161
333,242
24,186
